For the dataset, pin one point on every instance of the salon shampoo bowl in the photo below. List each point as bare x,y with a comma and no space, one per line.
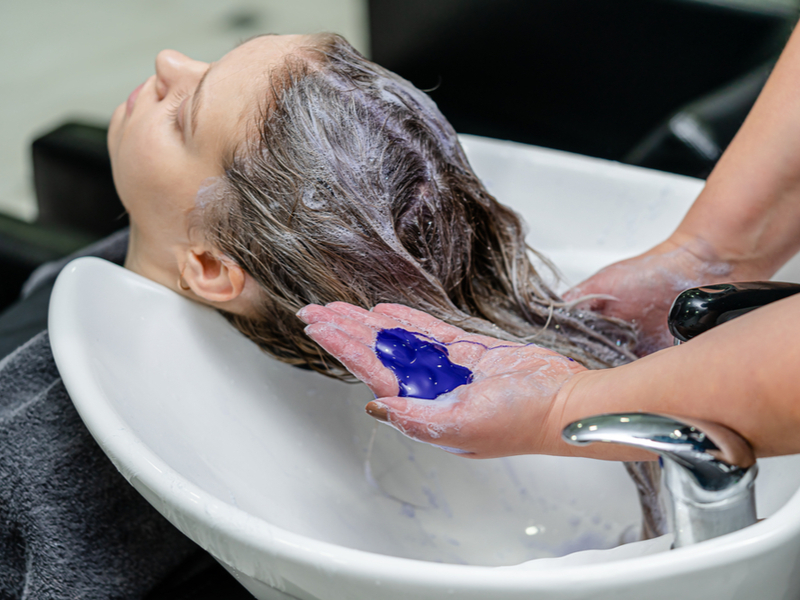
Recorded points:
265,465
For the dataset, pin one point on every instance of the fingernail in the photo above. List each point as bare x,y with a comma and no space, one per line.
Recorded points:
301,314
311,314
379,411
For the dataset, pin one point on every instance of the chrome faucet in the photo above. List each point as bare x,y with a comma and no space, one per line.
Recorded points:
708,470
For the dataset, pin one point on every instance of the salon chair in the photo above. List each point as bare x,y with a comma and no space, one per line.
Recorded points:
77,205
76,200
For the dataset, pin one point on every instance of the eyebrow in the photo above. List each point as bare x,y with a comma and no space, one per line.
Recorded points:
199,89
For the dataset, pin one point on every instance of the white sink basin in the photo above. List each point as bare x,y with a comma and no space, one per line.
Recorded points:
263,464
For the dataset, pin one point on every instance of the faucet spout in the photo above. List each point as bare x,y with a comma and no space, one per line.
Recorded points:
709,470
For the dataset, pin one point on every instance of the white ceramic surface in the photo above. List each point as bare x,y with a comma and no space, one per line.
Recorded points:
264,465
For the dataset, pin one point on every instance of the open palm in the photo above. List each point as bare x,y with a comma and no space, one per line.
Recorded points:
505,410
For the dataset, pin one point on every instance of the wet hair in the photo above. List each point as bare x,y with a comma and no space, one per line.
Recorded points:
352,186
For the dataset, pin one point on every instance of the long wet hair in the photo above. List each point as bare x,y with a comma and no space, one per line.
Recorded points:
352,186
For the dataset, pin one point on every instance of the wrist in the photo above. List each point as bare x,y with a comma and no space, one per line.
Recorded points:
752,247
584,395
563,412
713,262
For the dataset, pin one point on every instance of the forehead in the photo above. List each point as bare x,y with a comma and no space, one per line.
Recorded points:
236,86
263,51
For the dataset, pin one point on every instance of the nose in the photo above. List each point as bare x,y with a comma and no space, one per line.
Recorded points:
175,70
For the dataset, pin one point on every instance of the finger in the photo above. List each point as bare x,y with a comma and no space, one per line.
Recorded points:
370,318
430,421
430,325
314,314
438,329
464,348
466,352
311,313
357,357
587,296
573,293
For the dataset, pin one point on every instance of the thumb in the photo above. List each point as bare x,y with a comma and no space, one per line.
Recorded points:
425,420
584,295
573,293
584,288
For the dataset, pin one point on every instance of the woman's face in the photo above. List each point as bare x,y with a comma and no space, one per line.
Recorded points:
173,133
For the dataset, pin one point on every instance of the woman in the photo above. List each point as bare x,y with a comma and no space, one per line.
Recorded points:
294,171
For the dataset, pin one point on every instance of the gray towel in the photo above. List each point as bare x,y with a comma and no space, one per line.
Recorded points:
70,525
112,248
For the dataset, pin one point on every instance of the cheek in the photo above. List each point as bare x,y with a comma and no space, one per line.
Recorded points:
144,169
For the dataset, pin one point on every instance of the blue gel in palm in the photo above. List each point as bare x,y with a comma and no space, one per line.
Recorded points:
422,367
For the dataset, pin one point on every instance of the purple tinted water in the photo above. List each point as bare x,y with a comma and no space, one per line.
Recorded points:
422,367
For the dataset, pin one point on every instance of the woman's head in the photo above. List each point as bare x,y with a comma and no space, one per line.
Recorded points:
338,180
177,130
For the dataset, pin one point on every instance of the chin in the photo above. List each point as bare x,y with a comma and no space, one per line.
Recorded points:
114,126
112,142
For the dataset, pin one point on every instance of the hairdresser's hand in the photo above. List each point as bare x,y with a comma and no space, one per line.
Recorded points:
641,289
508,408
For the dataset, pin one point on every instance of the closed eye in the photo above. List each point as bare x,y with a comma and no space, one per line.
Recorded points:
174,111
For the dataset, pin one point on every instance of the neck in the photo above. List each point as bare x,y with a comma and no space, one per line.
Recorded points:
158,266
160,263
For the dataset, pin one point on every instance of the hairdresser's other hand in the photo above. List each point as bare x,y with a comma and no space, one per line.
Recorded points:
508,408
644,287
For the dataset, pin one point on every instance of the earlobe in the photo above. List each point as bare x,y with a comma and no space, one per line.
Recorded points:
212,278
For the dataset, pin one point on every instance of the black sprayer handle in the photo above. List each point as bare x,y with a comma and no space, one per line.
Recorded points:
699,309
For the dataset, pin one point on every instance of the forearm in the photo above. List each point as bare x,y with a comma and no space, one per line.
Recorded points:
744,375
749,212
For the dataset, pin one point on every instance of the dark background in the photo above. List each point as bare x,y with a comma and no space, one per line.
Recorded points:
589,76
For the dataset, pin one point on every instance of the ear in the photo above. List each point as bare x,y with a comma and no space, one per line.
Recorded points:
213,278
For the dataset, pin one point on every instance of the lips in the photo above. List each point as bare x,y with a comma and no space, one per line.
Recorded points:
132,99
